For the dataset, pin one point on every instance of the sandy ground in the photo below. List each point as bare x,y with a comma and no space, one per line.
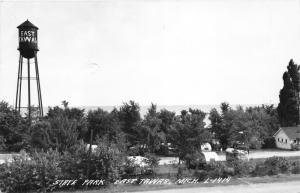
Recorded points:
278,187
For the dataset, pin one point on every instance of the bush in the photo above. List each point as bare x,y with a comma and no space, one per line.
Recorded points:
217,169
74,165
295,147
269,143
153,162
46,168
36,173
242,168
130,167
2,144
195,161
296,167
42,169
105,163
201,174
276,165
260,169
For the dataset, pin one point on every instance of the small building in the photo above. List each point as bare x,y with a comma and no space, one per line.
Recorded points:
287,137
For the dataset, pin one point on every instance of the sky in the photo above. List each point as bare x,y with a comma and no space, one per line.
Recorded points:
169,52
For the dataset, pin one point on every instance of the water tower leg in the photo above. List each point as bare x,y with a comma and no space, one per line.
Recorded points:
20,93
18,83
38,86
29,97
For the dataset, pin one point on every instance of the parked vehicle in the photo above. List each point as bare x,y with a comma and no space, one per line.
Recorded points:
233,154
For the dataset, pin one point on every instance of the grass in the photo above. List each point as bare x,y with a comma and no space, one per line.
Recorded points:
290,158
170,172
134,188
233,181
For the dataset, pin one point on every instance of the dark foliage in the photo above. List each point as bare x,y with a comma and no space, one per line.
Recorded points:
288,107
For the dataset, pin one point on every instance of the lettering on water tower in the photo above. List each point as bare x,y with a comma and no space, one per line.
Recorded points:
28,36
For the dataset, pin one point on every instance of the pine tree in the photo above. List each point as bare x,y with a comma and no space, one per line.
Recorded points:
288,108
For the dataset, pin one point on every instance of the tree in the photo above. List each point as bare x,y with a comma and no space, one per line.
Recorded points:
225,107
251,127
129,116
63,133
167,122
188,133
150,130
103,124
60,129
288,108
40,135
167,118
72,114
13,129
217,128
242,128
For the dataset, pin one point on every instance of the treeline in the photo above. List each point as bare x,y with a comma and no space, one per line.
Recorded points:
252,127
157,132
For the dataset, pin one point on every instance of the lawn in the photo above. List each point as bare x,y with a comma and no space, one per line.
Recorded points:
233,181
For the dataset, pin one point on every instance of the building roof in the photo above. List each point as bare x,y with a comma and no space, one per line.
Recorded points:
27,24
291,132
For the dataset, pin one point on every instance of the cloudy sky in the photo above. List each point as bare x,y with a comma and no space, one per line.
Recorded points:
170,52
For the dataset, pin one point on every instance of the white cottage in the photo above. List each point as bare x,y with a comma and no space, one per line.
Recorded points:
286,136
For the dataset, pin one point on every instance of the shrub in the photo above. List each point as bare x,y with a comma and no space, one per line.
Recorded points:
276,165
269,143
242,168
195,160
129,167
74,165
153,162
36,173
295,167
42,169
201,174
295,147
105,163
260,169
17,176
216,169
2,143
46,168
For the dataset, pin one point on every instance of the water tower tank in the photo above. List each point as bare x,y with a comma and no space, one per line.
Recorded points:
28,39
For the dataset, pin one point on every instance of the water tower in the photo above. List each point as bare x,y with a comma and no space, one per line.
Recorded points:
28,48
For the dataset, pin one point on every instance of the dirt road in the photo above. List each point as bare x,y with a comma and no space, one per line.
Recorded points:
278,187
